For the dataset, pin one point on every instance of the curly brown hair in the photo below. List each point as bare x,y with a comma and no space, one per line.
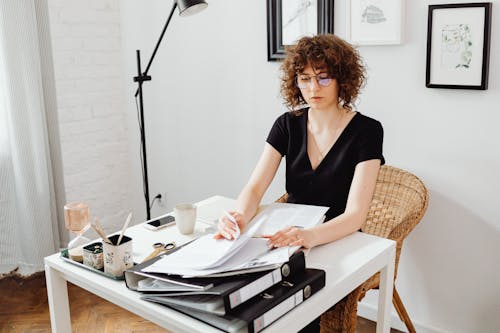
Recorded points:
341,60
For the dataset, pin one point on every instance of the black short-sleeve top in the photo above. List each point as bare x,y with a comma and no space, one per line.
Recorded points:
329,184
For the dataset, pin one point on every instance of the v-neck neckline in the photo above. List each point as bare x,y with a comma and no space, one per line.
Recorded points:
331,148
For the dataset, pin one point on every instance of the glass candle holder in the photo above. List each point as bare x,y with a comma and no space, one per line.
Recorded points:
77,221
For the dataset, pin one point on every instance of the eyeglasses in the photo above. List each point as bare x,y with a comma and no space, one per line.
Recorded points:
304,81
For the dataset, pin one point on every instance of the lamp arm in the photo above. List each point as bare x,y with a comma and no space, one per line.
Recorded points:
158,43
140,78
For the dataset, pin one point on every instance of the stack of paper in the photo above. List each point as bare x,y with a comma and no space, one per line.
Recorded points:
207,256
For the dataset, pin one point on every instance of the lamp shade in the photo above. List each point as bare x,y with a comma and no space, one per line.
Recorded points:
190,7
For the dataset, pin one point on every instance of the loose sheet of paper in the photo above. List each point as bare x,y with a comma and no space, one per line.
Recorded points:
281,215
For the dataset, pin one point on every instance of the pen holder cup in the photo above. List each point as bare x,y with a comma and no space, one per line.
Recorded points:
117,258
93,256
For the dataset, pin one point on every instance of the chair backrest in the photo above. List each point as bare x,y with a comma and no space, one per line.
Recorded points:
399,203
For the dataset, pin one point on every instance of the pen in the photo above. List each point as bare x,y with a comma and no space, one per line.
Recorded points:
232,219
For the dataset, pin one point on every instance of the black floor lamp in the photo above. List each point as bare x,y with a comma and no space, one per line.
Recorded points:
186,8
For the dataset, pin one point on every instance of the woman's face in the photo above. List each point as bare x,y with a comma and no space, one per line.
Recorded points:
319,90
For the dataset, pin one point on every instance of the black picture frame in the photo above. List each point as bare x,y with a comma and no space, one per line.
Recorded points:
275,47
434,80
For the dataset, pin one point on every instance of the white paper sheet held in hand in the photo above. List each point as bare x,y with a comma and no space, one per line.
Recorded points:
281,215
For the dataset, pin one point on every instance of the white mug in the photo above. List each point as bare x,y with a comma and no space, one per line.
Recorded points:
185,218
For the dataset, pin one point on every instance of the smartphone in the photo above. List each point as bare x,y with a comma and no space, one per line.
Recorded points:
159,223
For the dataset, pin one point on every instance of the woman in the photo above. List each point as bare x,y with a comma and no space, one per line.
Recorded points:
333,153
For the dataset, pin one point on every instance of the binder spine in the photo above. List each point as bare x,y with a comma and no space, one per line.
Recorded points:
296,265
244,294
272,315
287,305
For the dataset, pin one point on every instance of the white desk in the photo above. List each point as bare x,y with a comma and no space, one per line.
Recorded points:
347,262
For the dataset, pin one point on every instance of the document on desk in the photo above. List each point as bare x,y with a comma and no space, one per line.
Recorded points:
281,215
207,255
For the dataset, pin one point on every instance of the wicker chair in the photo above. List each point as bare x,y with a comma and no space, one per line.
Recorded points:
399,203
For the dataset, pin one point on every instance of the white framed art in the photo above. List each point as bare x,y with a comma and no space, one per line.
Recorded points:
375,22
458,46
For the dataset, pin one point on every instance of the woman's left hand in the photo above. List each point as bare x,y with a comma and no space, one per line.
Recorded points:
291,236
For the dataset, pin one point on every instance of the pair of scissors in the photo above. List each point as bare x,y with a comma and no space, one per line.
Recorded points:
160,248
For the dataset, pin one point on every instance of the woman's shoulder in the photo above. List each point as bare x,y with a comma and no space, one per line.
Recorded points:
291,117
366,121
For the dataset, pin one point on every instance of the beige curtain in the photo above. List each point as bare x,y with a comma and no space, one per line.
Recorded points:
31,184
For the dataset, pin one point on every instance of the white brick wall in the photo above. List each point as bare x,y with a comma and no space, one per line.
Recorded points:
86,45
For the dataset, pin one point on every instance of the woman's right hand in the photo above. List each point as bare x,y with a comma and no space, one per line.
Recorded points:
227,228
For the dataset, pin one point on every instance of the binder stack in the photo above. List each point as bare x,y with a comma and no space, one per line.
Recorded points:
237,285
264,309
232,303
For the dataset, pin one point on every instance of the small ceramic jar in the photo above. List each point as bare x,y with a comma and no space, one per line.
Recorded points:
93,255
118,258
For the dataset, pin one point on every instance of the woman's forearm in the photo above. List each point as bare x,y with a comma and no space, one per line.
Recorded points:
358,204
248,203
337,228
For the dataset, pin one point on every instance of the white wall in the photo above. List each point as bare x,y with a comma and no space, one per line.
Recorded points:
449,277
86,40
214,97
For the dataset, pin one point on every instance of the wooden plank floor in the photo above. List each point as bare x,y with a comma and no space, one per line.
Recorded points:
24,309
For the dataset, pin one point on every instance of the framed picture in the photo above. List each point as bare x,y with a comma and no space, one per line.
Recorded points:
458,46
289,20
375,22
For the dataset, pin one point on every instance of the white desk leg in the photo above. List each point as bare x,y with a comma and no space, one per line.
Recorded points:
385,294
57,291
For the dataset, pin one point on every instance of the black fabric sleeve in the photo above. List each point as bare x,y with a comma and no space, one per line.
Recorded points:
370,143
278,135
